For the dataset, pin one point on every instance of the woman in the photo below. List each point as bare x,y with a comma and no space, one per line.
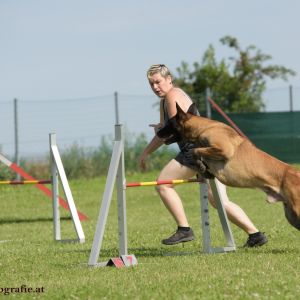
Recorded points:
160,80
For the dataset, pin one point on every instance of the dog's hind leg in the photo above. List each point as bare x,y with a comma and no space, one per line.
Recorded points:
291,216
291,190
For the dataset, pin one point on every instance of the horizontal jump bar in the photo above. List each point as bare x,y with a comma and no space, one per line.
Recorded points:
26,182
161,182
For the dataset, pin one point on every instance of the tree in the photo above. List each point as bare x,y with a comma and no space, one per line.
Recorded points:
237,83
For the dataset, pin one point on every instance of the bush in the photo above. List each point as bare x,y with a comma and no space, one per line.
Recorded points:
82,162
6,173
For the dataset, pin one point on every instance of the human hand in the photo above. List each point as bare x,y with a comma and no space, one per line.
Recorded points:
142,161
156,127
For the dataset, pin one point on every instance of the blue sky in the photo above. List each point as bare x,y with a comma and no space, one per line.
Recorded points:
69,48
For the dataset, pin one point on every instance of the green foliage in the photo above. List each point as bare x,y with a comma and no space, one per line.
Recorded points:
37,168
77,162
82,162
236,83
6,173
89,163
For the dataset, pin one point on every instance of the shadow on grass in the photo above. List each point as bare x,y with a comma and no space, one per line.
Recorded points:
142,252
268,250
284,251
35,220
162,252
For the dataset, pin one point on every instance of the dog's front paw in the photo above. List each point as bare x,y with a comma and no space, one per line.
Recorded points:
201,166
208,175
194,159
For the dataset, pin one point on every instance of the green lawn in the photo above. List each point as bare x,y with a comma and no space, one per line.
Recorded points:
30,257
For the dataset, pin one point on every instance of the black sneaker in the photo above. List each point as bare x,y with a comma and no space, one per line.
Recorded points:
179,236
256,239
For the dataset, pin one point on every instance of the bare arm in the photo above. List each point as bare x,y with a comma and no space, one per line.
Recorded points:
177,96
154,144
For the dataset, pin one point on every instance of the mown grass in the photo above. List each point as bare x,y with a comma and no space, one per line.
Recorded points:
30,256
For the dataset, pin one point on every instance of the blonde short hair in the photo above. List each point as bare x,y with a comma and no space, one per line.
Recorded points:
163,70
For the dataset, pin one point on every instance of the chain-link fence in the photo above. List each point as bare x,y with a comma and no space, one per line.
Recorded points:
85,120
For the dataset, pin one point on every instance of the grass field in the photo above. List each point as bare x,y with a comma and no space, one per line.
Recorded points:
30,257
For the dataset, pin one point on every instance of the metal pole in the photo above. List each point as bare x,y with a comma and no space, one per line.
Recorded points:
205,218
207,103
117,108
105,204
291,97
161,182
66,188
17,159
121,192
218,195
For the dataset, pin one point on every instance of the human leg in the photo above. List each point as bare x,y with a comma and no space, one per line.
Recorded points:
172,201
235,213
169,196
238,217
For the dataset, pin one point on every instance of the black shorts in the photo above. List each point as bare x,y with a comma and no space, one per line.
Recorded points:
185,160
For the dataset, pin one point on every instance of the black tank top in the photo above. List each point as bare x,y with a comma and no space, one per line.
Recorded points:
192,110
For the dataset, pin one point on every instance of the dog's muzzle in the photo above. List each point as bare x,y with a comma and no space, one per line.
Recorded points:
169,133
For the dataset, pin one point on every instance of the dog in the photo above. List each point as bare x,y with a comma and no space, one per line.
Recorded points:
222,153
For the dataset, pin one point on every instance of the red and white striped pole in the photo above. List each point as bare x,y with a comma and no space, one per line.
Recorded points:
40,186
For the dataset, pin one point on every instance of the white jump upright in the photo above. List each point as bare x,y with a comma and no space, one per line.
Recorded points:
116,172
218,195
57,170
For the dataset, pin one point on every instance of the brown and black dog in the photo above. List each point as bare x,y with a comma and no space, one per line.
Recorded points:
220,151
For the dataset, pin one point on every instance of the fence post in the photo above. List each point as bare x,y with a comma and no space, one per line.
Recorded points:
291,97
117,108
17,159
207,104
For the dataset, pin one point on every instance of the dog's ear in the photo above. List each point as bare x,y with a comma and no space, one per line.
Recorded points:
178,108
192,109
181,115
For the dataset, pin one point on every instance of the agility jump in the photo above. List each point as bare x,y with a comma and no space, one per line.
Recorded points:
17,169
116,173
161,182
57,170
14,182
